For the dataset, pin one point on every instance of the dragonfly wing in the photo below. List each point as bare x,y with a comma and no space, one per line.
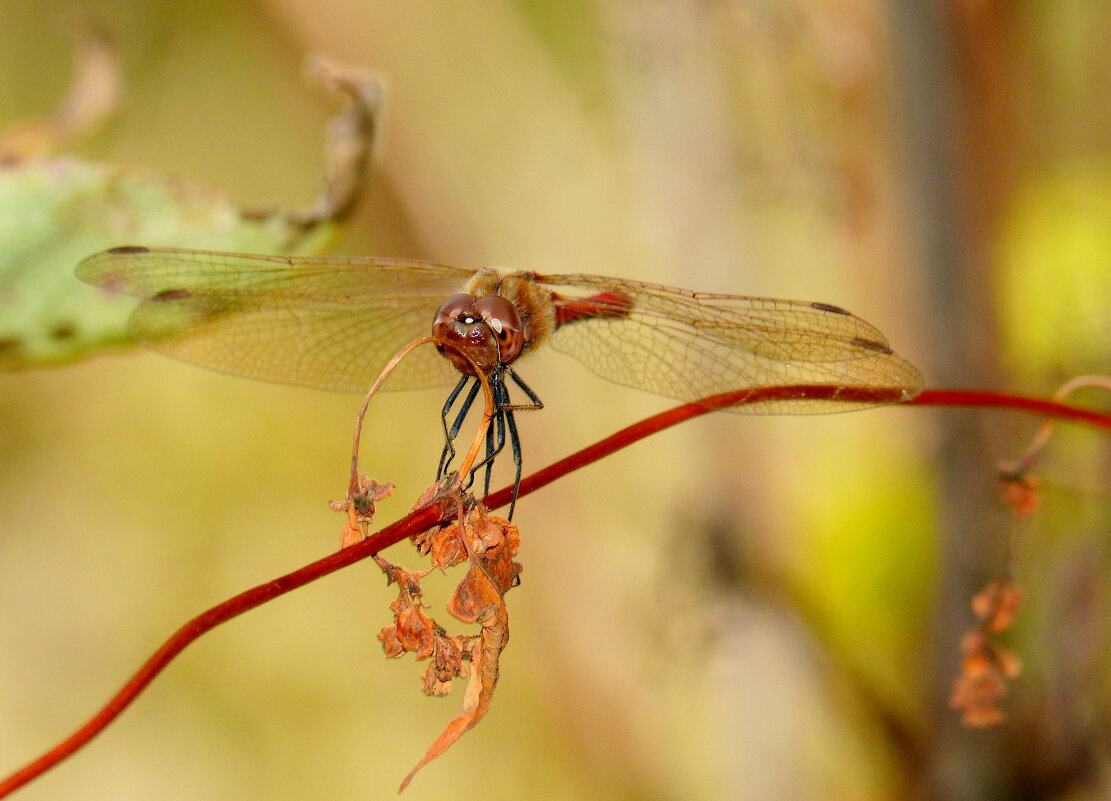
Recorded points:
690,345
326,323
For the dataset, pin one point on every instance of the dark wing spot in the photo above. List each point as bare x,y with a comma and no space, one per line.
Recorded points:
871,344
171,294
829,307
129,249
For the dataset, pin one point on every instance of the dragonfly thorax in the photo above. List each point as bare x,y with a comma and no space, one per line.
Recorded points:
488,329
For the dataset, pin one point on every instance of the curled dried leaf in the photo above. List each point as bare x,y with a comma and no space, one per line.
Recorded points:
490,543
360,508
412,630
447,662
475,593
443,543
502,539
480,687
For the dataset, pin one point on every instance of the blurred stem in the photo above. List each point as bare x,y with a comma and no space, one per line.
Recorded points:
956,97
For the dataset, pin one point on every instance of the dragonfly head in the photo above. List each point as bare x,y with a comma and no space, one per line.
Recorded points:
487,328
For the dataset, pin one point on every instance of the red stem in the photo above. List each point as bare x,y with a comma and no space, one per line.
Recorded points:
440,511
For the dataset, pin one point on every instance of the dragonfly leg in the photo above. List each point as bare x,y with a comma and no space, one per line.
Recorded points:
534,404
449,451
501,400
503,428
515,445
450,434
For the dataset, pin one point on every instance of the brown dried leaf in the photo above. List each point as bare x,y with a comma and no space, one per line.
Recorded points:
489,543
360,509
976,697
502,540
1020,492
987,665
480,687
413,630
446,664
391,644
493,542
475,593
444,543
997,604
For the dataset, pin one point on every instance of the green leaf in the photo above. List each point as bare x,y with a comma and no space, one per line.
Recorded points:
56,211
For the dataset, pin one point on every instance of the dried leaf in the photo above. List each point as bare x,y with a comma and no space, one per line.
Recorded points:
412,630
1020,492
444,544
360,509
976,697
997,604
987,666
500,552
480,687
475,593
447,663
489,543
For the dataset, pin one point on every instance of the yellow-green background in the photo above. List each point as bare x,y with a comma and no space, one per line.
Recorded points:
745,608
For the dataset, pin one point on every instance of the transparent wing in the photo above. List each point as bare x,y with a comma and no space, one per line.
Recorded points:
690,345
326,323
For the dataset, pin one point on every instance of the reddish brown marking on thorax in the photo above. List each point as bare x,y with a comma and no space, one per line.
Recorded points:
604,304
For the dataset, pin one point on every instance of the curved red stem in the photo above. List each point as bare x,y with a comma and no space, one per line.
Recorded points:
442,510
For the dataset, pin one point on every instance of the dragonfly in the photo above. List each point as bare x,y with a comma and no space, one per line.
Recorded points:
332,323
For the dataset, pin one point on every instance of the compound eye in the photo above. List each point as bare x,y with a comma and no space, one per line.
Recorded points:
455,307
505,322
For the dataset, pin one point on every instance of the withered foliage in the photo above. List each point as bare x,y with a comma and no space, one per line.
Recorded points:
488,543
1020,492
987,665
360,509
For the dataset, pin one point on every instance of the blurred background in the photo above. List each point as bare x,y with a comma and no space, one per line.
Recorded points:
742,608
